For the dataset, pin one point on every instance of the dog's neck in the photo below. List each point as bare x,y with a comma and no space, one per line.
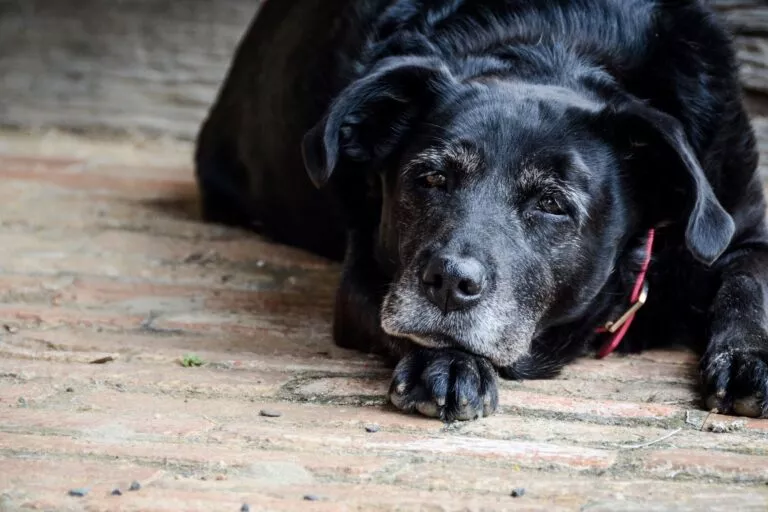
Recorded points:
617,328
561,344
618,294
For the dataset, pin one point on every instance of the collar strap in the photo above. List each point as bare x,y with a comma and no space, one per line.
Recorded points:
618,328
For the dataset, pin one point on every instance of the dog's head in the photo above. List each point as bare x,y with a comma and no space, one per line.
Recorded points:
506,206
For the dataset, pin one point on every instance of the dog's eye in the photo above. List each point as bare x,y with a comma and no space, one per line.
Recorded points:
433,180
549,204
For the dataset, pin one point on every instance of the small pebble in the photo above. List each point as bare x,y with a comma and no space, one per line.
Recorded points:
135,486
193,257
311,497
117,492
79,493
372,429
103,360
270,413
245,508
517,493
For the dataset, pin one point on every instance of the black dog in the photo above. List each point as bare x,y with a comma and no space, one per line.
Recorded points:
491,172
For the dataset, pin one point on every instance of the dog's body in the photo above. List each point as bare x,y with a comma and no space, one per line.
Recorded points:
491,171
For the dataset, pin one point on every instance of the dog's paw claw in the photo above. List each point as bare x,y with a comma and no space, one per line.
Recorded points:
736,382
446,384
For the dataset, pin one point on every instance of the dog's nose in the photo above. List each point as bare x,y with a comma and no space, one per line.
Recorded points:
454,282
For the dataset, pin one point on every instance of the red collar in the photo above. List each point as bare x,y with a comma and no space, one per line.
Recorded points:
618,328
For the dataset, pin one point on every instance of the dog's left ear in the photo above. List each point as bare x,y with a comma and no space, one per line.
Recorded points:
709,226
370,117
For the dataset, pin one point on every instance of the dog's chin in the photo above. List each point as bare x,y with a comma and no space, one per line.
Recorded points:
484,333
500,351
499,357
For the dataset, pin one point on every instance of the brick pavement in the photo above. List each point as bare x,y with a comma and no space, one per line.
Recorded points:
101,255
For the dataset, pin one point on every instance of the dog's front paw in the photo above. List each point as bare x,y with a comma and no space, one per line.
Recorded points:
736,379
446,384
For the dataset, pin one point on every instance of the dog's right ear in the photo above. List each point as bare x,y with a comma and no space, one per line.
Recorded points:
370,117
660,142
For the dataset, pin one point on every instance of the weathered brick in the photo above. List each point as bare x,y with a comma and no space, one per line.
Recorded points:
42,253
640,391
578,492
201,455
158,250
143,296
166,489
696,463
607,409
76,174
19,393
511,452
37,316
343,387
246,249
651,367
158,379
168,494
351,420
205,323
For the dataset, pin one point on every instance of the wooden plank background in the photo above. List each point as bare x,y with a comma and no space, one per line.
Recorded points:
154,66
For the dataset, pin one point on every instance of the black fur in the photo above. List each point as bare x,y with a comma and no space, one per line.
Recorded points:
523,148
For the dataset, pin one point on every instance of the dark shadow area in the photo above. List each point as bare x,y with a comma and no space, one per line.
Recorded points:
184,206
